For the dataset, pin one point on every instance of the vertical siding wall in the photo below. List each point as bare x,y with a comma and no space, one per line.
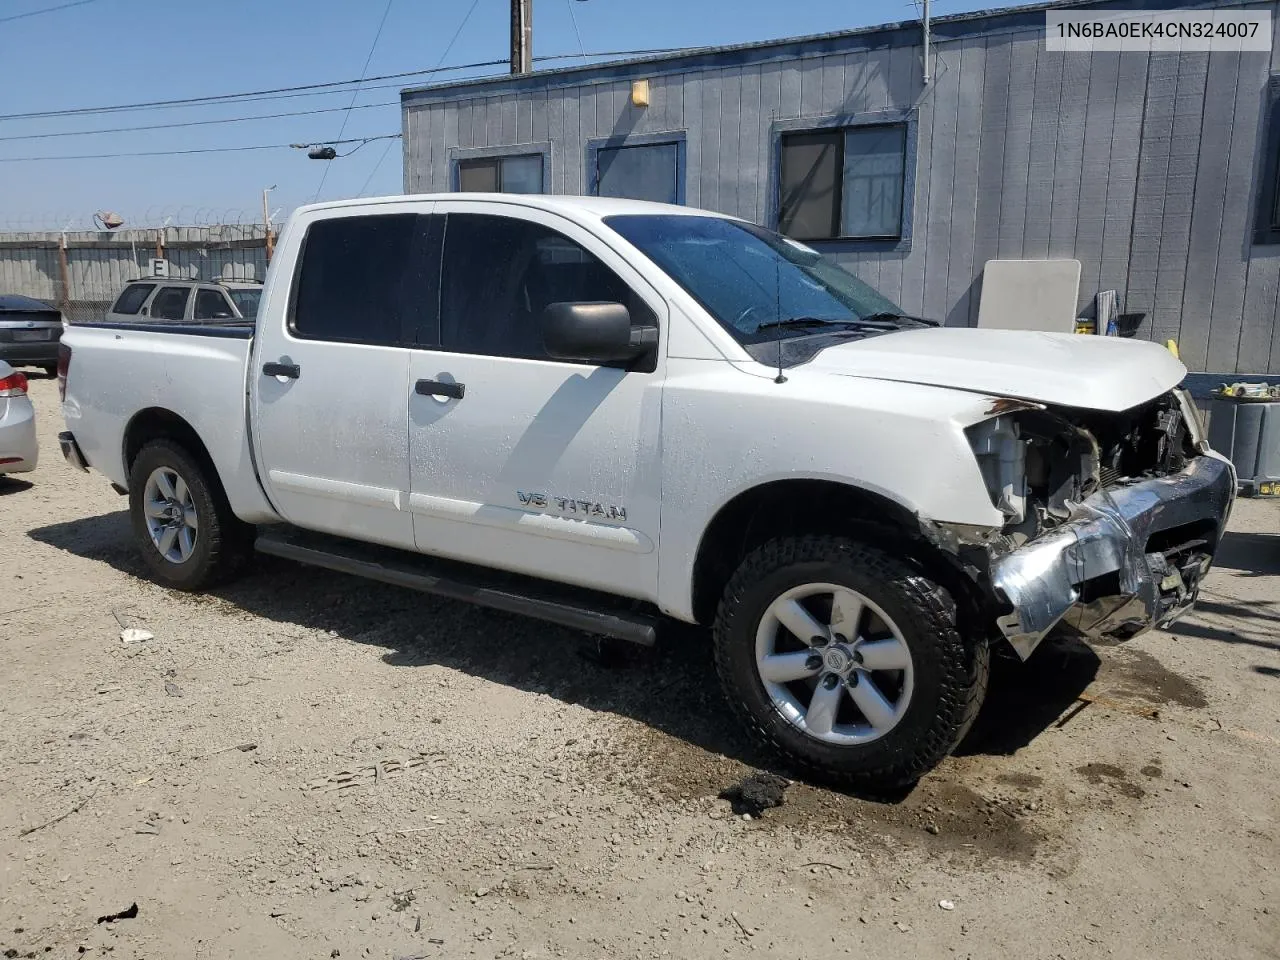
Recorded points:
1145,167
99,264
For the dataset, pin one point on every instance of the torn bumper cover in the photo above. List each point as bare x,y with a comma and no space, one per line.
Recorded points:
1044,580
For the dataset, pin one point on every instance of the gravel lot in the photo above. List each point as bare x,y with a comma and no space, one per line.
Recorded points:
431,780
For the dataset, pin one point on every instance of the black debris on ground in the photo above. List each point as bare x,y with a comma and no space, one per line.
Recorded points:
127,914
756,793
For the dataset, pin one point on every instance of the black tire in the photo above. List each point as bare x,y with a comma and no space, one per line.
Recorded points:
950,670
223,543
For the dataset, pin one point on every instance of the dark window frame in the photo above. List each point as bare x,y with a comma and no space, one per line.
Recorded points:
676,138
461,155
647,363
417,315
150,288
1266,226
907,119
500,164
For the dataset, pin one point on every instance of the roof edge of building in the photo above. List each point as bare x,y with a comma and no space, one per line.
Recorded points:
956,26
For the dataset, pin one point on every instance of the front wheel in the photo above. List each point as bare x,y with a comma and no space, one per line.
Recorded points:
184,526
847,660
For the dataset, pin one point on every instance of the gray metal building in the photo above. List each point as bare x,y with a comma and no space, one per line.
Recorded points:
1156,170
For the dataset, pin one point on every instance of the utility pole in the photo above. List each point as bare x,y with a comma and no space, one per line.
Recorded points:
266,221
521,36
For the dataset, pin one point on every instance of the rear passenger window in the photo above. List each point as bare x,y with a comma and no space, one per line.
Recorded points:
212,305
362,280
499,274
170,303
134,296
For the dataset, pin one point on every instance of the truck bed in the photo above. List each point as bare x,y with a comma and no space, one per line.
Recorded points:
120,372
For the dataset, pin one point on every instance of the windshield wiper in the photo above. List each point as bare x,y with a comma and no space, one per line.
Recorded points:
888,315
869,323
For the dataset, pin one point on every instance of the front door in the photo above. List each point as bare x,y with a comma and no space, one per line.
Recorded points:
517,460
330,382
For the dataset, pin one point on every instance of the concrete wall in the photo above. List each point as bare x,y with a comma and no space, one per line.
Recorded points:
1145,167
100,263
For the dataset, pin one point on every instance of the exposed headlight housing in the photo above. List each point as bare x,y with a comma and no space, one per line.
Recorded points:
1002,458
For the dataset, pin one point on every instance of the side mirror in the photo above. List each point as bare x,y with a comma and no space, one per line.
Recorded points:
595,332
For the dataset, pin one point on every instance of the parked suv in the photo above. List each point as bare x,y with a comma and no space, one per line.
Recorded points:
29,332
160,299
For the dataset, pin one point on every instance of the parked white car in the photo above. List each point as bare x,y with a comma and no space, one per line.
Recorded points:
613,411
19,450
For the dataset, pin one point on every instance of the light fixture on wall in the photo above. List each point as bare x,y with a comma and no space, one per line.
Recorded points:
640,93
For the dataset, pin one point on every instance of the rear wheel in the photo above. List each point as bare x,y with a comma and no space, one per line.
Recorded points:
184,526
847,660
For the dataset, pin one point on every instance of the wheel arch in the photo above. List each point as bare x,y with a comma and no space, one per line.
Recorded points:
158,423
800,506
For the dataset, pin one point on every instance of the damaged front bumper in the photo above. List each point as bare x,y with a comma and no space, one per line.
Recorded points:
1131,558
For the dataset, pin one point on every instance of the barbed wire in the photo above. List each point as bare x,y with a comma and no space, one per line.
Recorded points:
150,218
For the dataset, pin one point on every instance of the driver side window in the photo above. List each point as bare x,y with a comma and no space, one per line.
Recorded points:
500,273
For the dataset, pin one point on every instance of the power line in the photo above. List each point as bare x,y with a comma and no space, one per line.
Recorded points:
355,91
312,89
574,19
449,46
198,123
174,153
36,13
231,97
369,179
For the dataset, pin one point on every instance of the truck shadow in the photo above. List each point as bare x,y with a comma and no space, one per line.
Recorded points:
1250,554
672,689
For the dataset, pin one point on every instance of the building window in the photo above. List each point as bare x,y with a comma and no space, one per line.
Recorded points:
518,174
648,171
843,183
1266,228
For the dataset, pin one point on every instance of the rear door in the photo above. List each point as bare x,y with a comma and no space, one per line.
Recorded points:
520,461
330,374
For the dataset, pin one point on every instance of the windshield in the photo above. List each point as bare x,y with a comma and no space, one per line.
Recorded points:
246,301
758,284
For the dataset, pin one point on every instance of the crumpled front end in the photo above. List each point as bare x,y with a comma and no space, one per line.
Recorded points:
1130,558
1112,519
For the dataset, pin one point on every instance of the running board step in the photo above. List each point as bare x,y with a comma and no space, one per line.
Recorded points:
585,610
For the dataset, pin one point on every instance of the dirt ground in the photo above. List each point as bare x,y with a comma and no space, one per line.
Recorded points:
308,765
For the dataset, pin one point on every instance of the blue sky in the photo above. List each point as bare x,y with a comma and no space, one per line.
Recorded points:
107,52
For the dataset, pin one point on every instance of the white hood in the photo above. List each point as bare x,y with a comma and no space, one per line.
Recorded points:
1074,370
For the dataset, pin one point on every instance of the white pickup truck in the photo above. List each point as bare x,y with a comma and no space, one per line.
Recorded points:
604,412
